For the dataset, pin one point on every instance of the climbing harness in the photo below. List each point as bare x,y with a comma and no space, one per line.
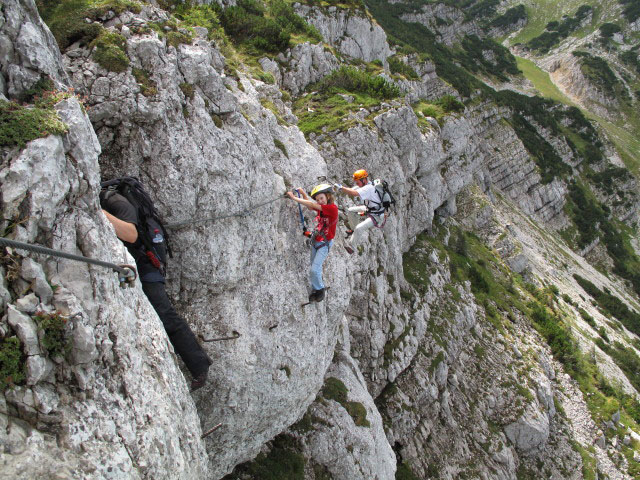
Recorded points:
211,430
127,274
234,336
244,213
376,223
303,222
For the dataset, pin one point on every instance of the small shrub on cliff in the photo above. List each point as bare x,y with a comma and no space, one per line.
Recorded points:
177,38
53,338
266,30
510,17
110,53
398,66
608,29
45,84
282,462
11,362
352,80
449,104
631,10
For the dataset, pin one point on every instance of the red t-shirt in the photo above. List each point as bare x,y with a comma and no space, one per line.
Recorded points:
327,221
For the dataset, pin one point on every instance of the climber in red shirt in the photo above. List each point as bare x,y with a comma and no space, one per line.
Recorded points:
322,237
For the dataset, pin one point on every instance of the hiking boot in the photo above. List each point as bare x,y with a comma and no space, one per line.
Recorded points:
199,381
349,249
319,295
312,295
349,232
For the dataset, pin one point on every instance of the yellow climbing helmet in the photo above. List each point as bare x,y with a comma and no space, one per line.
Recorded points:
360,174
322,188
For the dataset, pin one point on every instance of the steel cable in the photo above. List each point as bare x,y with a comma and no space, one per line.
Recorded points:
5,242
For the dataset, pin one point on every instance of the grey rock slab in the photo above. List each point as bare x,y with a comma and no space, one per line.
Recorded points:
32,272
529,431
27,49
350,31
38,368
84,348
25,329
27,304
346,450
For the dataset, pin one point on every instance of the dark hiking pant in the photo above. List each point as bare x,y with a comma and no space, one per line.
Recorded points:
182,338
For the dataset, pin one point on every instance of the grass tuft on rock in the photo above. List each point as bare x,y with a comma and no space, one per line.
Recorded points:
110,51
11,362
148,87
21,124
188,90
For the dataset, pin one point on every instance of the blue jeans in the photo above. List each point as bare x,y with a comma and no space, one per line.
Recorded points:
318,255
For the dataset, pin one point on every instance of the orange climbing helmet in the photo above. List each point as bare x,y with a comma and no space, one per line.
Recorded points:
360,174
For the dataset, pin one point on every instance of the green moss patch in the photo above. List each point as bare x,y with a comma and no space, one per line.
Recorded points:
334,389
188,90
66,18
21,124
12,364
280,146
110,51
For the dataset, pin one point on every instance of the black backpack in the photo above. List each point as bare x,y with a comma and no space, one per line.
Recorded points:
386,200
151,231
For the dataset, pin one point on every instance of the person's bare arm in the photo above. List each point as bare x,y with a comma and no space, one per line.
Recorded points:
350,191
307,203
125,231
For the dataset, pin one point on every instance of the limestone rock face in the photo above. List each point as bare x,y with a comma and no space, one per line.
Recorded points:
84,415
565,71
304,64
245,273
347,439
351,32
448,22
27,49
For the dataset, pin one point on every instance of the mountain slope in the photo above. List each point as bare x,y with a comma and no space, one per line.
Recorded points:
489,330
